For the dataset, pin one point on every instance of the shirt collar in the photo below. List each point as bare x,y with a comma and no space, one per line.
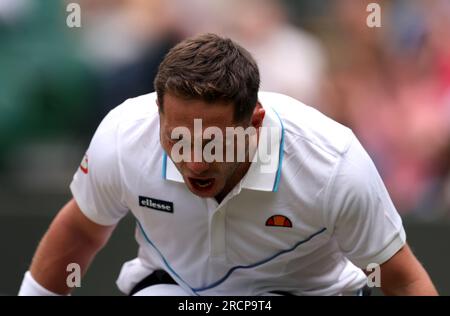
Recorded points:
262,175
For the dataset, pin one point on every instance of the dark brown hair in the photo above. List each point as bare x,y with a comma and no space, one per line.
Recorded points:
212,69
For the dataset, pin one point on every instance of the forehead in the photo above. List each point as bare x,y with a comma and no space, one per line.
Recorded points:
182,112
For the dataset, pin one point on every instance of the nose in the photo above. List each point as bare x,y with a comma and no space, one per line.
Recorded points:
197,168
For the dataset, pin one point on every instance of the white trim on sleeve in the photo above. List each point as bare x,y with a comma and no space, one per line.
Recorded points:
89,212
386,253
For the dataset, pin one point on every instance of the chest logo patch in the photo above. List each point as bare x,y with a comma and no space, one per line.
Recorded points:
155,204
278,221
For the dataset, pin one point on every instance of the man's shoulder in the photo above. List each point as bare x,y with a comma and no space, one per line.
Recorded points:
129,130
135,109
130,120
306,128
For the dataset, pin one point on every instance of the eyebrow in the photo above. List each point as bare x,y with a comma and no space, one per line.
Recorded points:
204,140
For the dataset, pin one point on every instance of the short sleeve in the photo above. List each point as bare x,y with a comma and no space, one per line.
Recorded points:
359,211
96,186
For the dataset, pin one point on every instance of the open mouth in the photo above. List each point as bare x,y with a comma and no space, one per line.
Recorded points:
202,184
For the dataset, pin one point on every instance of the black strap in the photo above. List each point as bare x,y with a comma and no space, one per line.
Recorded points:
157,277
366,291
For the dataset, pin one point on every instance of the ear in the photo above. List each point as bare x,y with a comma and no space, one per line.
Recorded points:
258,115
160,112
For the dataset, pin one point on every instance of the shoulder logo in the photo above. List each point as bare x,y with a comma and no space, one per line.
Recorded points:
84,164
155,204
278,221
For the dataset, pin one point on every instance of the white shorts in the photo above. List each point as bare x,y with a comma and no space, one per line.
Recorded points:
162,290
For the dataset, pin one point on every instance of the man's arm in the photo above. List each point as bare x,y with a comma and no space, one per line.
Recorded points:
71,238
403,274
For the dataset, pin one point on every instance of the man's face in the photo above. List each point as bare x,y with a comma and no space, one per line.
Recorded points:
205,179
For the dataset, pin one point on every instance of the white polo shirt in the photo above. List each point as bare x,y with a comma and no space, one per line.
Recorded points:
306,227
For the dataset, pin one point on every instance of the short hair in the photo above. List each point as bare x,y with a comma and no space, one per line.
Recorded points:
212,69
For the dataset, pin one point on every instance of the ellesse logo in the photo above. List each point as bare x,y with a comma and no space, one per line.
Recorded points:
278,221
155,204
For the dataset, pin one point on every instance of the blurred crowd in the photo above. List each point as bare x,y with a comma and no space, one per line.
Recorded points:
390,84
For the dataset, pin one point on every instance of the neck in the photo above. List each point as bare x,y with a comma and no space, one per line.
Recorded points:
233,180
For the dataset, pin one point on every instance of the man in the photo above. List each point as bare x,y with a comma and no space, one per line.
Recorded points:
306,221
